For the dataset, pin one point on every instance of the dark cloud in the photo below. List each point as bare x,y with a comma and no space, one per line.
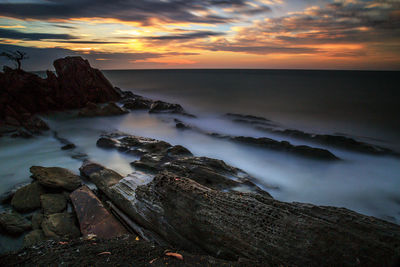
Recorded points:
262,50
42,58
126,10
89,42
185,36
13,34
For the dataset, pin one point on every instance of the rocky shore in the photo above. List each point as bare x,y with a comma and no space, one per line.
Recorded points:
176,208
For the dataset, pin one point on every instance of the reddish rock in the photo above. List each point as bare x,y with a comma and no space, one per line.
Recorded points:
93,217
24,94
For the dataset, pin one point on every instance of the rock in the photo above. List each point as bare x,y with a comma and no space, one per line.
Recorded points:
60,225
53,203
68,147
27,198
307,151
179,150
137,102
110,109
13,223
55,177
37,220
33,237
94,218
233,224
24,94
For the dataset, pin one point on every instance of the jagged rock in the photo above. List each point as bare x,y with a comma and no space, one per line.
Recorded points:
229,225
55,177
14,223
37,220
307,151
24,94
27,198
94,218
164,107
60,225
110,109
53,203
33,237
137,102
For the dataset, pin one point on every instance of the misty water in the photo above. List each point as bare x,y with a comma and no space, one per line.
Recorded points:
306,101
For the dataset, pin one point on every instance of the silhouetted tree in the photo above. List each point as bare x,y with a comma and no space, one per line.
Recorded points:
16,56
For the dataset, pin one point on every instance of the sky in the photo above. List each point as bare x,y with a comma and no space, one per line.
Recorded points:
246,34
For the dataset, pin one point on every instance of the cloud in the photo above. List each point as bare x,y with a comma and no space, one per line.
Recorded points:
42,58
185,36
13,34
190,11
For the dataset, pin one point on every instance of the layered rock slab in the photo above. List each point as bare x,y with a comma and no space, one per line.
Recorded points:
233,224
94,218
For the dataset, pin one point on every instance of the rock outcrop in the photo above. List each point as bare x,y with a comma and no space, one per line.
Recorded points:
24,94
55,177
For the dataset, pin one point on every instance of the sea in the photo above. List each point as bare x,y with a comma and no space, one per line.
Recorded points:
364,105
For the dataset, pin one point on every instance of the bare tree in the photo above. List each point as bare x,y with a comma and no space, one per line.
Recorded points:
16,56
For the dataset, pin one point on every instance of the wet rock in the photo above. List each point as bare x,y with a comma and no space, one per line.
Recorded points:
307,151
68,147
110,109
233,224
94,218
7,196
137,102
37,220
14,223
33,237
27,198
60,225
179,150
164,107
53,203
55,177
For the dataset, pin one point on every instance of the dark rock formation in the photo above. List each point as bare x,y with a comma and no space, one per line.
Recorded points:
60,225
53,203
55,177
37,220
93,217
233,224
135,102
13,223
110,109
340,141
27,198
303,150
24,94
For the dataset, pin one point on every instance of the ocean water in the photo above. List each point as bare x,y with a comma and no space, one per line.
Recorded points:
363,105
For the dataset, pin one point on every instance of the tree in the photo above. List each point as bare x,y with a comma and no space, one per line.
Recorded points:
16,56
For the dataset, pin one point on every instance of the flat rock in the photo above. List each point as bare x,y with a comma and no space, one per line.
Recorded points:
33,237
53,203
14,223
233,224
93,217
27,198
56,177
60,225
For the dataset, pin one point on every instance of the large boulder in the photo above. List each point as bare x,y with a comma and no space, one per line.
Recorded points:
60,225
14,223
94,218
24,94
27,198
53,203
55,177
229,225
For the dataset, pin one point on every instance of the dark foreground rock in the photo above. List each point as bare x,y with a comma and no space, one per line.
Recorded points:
24,94
110,109
13,223
59,225
94,218
229,225
27,198
123,251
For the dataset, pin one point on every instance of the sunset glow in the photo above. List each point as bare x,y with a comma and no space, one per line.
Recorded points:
340,34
